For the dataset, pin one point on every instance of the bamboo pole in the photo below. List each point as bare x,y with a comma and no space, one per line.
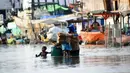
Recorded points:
33,6
54,7
123,23
81,5
108,37
38,3
88,23
128,21
46,4
120,32
65,3
113,36
58,2
33,31
73,1
105,34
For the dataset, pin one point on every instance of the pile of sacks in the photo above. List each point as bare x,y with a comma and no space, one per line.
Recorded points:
52,34
71,39
62,37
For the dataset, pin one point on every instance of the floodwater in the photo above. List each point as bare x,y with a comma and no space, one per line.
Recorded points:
21,59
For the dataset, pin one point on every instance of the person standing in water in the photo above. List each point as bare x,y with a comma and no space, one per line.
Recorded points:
43,53
74,39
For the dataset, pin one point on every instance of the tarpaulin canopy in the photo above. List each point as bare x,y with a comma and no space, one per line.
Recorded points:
67,17
2,29
105,14
11,25
15,30
57,19
99,12
52,8
51,21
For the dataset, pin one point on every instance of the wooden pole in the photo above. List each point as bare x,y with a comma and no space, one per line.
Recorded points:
113,36
120,31
54,7
109,37
33,7
128,21
73,1
81,5
33,30
46,4
123,23
58,2
88,23
38,3
106,33
65,3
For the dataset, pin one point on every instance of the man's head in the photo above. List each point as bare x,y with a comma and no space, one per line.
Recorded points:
44,48
71,28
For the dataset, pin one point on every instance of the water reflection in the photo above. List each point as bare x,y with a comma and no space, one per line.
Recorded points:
21,59
107,60
65,60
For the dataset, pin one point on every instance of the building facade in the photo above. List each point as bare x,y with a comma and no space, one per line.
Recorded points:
7,5
110,5
91,5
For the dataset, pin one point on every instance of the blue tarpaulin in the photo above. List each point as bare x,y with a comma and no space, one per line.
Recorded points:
49,16
15,30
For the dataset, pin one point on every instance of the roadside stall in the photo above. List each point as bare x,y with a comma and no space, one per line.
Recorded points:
105,34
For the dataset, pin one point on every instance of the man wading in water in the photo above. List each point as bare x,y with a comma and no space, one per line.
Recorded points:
43,53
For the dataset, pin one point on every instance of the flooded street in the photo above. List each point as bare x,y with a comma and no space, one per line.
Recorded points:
21,59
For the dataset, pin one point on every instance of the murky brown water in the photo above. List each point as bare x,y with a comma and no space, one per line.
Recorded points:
21,59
